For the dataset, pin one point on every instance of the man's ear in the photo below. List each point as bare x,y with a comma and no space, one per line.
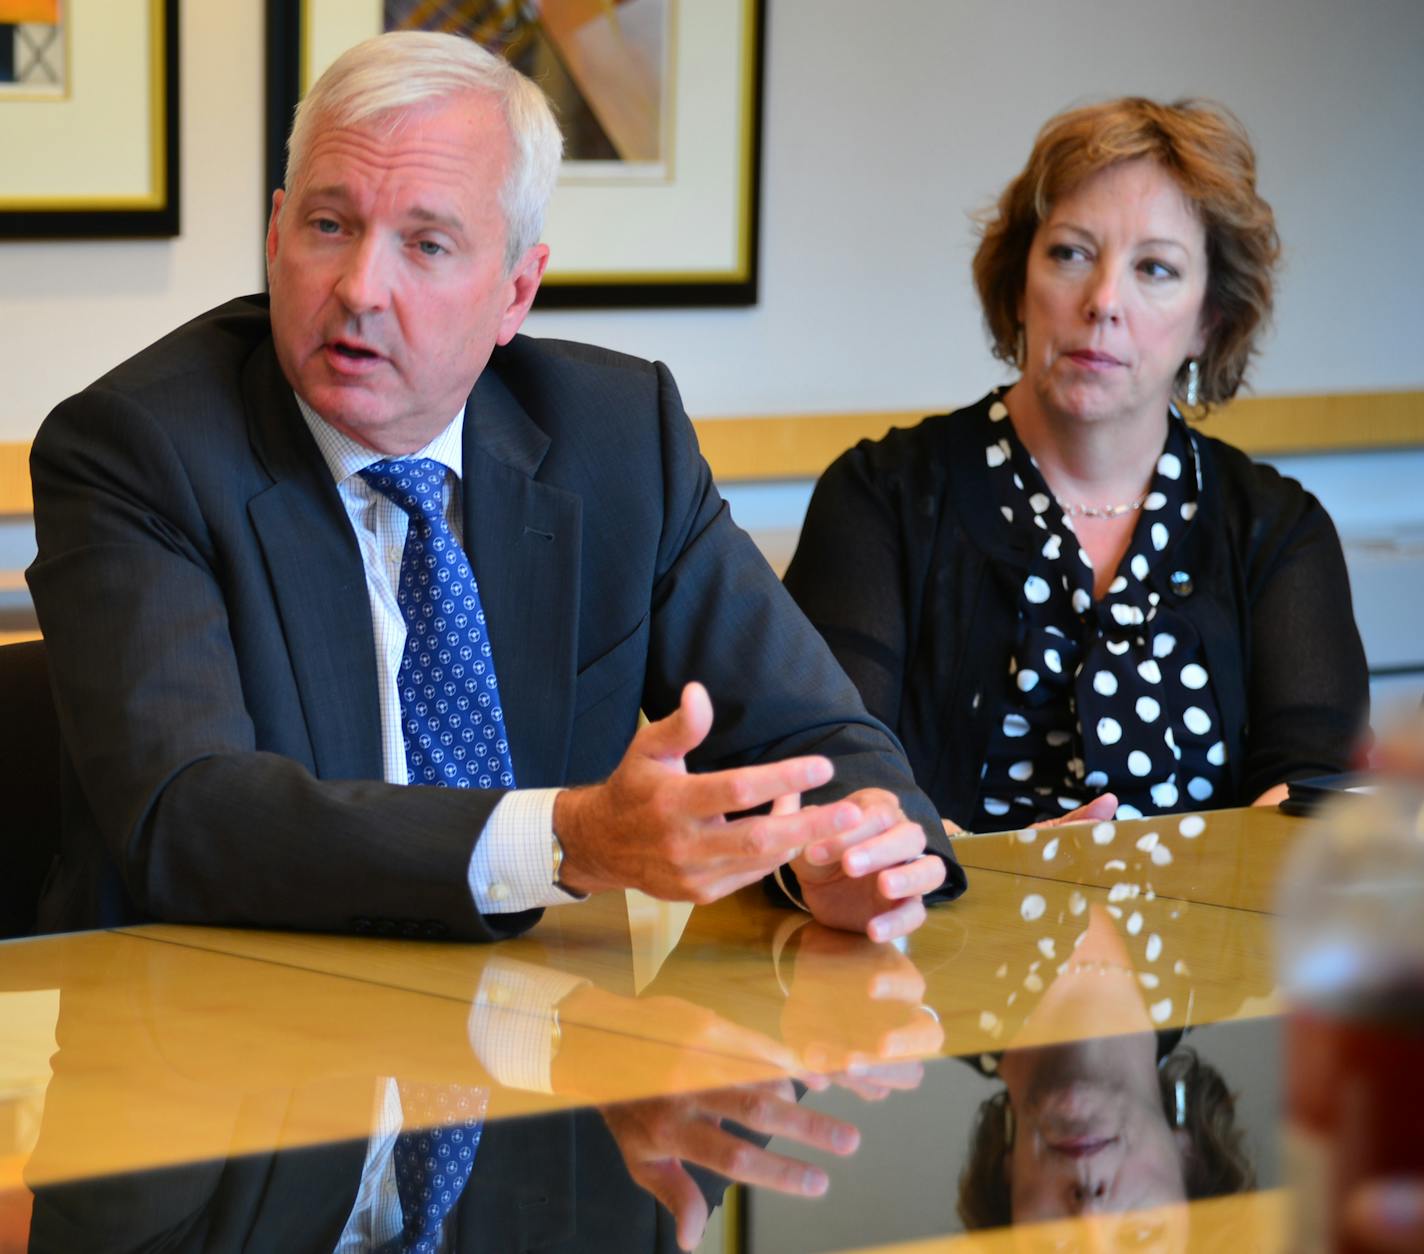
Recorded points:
524,286
277,198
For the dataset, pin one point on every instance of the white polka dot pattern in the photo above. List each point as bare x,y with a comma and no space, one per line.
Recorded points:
454,723
1103,694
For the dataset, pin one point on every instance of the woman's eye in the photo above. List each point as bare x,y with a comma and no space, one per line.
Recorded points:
1154,269
1064,252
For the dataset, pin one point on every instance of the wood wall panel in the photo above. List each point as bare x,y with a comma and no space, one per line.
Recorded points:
800,446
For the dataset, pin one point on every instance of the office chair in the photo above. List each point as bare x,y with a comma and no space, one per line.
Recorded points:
29,783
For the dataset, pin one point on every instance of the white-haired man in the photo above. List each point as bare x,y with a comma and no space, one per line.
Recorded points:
293,558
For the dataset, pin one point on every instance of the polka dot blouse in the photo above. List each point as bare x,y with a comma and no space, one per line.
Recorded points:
1101,696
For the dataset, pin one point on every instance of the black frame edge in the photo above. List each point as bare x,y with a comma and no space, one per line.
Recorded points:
162,223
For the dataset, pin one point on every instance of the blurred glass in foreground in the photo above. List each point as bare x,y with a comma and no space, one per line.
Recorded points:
1351,955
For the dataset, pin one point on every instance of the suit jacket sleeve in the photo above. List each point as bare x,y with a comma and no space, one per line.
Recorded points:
721,616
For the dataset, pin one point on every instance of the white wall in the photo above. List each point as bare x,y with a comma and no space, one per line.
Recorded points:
885,125
70,310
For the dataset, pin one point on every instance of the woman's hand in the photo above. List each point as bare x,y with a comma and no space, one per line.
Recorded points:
1273,796
1097,810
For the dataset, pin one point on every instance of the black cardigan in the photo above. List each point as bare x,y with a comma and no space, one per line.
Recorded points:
906,568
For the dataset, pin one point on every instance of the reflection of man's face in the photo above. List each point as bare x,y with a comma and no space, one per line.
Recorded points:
386,265
1084,1145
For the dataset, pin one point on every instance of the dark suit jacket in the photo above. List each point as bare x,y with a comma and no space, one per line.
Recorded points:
203,600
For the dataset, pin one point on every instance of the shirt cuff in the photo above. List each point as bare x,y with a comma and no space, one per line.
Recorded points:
512,866
514,1022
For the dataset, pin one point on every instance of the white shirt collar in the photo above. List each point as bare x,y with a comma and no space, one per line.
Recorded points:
345,457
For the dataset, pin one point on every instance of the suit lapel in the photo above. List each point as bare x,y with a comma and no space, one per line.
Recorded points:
524,539
318,581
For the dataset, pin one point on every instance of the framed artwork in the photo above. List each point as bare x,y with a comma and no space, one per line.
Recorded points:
660,105
89,112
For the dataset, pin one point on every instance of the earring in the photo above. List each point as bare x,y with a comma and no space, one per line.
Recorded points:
1020,348
1179,1099
1193,393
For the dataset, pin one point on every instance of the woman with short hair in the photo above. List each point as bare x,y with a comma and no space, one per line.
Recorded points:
1064,591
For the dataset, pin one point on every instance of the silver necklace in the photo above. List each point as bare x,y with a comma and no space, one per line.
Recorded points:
1075,510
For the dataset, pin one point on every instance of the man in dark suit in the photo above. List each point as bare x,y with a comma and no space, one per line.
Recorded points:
237,530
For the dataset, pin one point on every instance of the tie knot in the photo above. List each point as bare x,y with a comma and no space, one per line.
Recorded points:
416,484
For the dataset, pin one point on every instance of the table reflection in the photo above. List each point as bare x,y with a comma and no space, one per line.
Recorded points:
203,1100
1115,1117
225,1089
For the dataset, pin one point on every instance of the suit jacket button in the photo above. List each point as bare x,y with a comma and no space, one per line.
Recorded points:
1181,583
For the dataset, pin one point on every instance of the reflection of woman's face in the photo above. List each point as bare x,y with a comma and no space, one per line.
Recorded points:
1085,1145
1090,1134
1091,1137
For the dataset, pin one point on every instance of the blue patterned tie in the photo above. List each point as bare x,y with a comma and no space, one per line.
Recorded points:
433,1164
450,708
454,738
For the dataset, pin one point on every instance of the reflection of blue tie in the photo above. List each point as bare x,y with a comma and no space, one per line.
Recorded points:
454,738
450,708
433,1164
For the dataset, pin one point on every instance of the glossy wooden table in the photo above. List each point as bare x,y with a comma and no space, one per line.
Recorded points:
182,1045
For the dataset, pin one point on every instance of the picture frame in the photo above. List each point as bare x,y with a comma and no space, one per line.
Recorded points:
94,139
674,222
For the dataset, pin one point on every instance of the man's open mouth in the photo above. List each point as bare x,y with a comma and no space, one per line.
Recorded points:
354,351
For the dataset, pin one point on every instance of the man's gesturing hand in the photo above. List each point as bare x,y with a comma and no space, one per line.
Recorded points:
657,1137
653,826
